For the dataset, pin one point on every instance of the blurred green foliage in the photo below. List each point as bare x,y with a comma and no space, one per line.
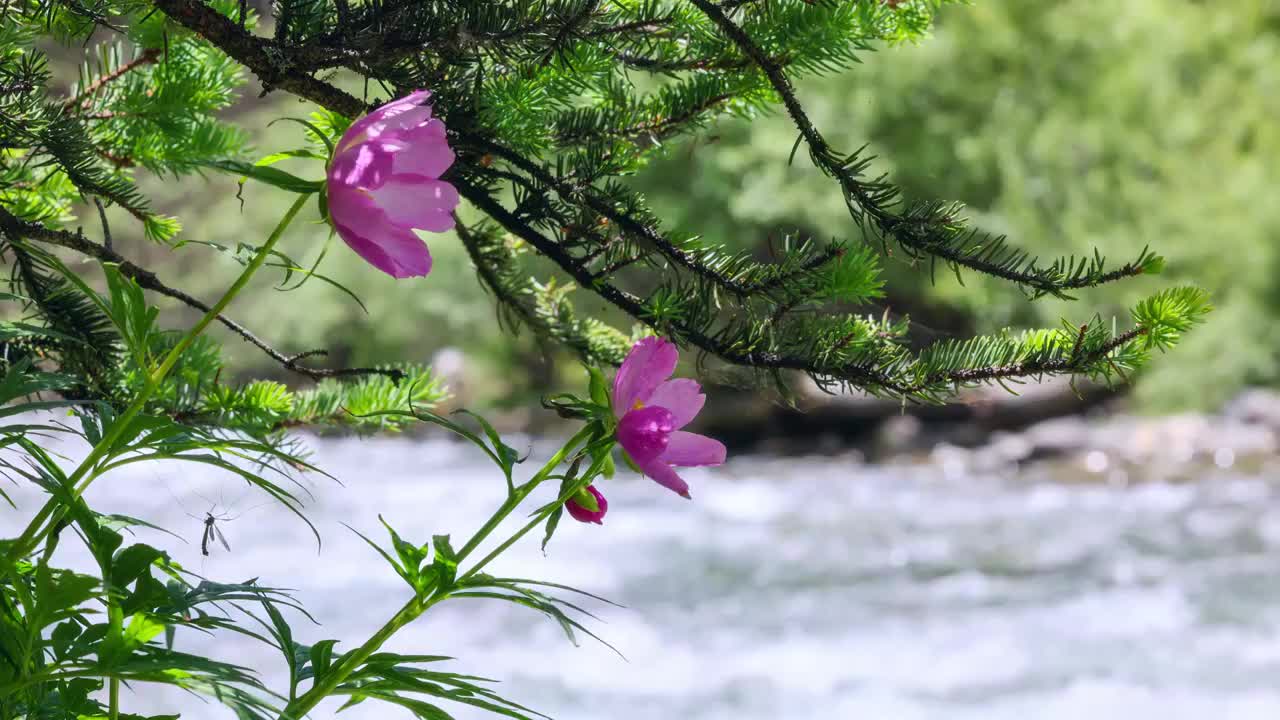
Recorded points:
1066,125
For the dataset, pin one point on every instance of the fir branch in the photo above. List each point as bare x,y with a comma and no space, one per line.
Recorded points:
849,351
924,229
570,26
632,226
1074,363
631,26
633,306
543,308
272,66
660,65
82,100
652,131
908,378
16,227
489,274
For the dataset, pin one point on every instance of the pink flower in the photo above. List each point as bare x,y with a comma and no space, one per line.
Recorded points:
384,181
651,410
581,513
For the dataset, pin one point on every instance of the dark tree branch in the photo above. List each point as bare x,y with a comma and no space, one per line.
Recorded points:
634,306
273,66
865,376
657,65
566,31
659,129
622,28
488,275
106,228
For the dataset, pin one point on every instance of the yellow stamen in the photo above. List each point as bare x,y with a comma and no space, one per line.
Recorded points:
639,404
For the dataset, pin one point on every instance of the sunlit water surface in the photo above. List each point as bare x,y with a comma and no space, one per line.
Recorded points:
789,588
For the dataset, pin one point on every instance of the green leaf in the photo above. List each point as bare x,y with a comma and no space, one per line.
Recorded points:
319,134
142,629
132,562
553,522
266,174
446,560
506,456
322,207
58,592
276,157
62,637
411,556
321,656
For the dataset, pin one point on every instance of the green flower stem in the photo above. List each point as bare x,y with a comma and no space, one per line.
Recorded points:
83,476
113,699
413,609
535,522
304,704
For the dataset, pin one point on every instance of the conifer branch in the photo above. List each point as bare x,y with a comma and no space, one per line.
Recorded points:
570,26
634,306
923,229
264,58
82,99
910,378
634,227
649,130
146,279
628,27
657,65
552,200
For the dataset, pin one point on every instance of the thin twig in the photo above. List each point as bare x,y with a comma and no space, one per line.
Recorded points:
81,101
106,228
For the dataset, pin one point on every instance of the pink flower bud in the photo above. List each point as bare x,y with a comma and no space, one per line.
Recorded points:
582,513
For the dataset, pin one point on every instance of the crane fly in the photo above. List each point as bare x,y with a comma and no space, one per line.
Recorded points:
210,521
211,532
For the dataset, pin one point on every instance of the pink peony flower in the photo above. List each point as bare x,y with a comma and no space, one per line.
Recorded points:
584,514
651,410
384,181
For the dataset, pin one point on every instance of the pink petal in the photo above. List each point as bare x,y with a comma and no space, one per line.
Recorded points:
407,112
398,121
398,253
682,396
434,129
686,449
367,230
428,156
418,203
364,165
643,433
651,361
664,475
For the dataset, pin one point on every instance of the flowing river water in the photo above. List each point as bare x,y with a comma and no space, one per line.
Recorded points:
943,586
